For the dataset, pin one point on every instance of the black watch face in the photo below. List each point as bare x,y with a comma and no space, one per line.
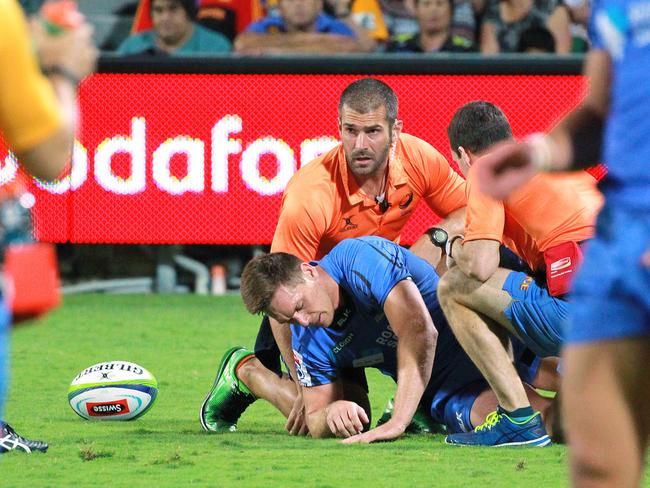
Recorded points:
438,236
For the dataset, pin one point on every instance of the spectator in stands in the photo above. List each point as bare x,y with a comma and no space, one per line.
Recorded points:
401,19
363,16
505,20
301,26
435,35
579,12
175,33
536,40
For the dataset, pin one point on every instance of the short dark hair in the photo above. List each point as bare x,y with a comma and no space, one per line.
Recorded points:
477,126
537,37
264,274
451,4
367,94
191,7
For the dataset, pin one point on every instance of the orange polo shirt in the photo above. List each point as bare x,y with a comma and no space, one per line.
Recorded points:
323,204
549,210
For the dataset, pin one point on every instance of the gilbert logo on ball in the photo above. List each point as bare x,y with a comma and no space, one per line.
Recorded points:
114,390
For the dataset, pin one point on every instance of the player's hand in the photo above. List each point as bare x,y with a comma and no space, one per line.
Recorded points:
72,49
297,422
504,169
385,432
345,418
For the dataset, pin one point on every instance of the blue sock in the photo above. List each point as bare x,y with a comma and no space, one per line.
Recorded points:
520,414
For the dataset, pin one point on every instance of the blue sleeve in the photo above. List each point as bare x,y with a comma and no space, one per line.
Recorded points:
313,364
338,27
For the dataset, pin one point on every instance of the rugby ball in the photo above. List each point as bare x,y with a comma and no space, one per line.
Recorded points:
114,390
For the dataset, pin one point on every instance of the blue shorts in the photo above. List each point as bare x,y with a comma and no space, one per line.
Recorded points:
611,294
455,411
536,316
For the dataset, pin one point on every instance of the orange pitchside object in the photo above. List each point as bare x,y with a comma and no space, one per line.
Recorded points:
60,15
31,279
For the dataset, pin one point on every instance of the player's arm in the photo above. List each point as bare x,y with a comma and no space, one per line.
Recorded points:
411,322
329,415
575,143
454,224
299,232
39,125
478,259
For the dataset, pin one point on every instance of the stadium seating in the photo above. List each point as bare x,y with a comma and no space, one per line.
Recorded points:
112,20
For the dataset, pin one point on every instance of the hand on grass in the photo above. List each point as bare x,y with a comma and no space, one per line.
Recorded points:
345,418
385,432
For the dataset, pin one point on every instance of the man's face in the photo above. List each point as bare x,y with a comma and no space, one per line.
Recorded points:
300,15
170,21
433,15
366,139
304,304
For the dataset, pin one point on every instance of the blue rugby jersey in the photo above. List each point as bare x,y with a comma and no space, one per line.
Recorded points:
622,28
367,269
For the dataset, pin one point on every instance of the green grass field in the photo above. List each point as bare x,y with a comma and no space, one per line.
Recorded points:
180,339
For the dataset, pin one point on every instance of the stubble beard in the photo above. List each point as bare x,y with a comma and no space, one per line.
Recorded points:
377,161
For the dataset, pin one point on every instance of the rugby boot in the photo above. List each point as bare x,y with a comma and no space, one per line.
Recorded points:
10,440
501,430
228,397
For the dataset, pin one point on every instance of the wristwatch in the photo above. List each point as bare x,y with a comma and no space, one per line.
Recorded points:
438,236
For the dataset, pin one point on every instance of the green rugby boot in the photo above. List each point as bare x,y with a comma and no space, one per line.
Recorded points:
228,397
422,423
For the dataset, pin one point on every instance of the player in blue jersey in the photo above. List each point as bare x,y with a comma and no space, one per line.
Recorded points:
372,303
606,386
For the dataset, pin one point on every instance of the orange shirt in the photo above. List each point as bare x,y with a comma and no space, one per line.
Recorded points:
29,110
322,204
549,210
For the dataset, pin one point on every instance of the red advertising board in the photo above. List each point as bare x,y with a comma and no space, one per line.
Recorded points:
205,158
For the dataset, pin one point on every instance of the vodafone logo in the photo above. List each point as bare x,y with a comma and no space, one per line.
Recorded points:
107,409
198,161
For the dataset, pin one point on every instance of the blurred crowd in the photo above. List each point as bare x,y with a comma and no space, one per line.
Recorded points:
266,27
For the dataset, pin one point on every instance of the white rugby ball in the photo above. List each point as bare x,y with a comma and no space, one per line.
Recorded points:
114,390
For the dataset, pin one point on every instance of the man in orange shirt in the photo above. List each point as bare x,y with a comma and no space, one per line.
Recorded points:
543,223
368,185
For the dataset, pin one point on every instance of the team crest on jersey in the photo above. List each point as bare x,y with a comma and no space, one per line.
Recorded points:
304,378
525,284
406,201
